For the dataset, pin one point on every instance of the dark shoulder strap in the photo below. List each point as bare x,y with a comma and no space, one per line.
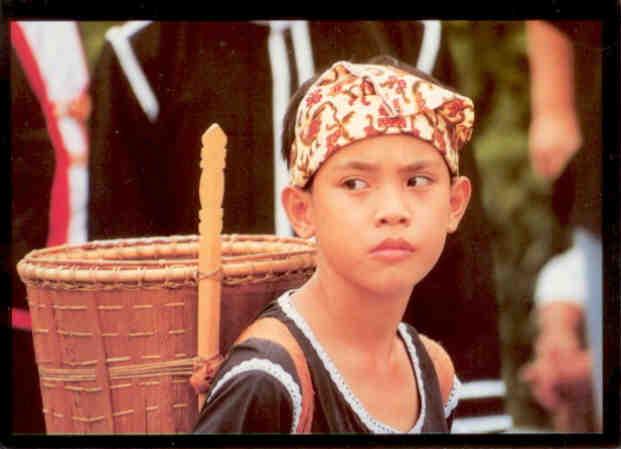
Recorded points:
445,371
434,372
275,330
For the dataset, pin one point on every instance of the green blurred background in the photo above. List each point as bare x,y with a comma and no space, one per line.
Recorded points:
492,67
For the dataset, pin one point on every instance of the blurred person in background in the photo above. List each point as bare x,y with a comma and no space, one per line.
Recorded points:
560,374
565,147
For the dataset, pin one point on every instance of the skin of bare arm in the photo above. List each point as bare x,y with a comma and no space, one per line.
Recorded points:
554,134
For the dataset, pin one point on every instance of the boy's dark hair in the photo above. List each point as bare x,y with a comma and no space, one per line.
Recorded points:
288,130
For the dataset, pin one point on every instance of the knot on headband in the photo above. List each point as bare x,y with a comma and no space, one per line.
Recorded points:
350,102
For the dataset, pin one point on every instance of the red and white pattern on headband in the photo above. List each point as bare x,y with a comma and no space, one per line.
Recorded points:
350,102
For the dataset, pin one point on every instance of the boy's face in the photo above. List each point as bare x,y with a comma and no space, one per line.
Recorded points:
380,209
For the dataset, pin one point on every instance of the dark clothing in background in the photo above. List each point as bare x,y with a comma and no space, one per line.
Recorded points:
577,194
144,176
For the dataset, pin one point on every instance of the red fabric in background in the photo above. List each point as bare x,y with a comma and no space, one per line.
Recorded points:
20,319
59,203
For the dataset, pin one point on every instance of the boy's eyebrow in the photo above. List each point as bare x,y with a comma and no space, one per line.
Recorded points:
422,164
370,166
357,165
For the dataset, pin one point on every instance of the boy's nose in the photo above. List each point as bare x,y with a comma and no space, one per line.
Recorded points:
392,210
393,219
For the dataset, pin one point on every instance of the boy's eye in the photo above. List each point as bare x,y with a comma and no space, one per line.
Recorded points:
418,181
355,184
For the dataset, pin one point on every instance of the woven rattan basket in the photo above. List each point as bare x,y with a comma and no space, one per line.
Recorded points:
114,324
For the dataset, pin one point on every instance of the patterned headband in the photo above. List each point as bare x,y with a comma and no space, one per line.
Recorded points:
350,102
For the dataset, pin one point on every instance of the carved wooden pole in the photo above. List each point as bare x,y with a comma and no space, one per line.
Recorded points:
211,192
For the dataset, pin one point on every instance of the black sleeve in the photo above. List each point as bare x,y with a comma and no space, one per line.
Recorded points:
252,402
247,398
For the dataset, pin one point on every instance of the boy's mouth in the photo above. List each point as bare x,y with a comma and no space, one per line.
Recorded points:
392,249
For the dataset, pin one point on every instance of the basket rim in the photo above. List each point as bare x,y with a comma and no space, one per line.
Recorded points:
282,254
160,263
173,239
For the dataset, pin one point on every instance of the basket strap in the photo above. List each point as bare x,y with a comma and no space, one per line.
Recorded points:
274,330
204,371
277,331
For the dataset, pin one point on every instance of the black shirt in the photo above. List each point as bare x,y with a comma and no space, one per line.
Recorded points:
257,388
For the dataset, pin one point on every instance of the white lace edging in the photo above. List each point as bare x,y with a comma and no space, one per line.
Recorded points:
453,398
372,424
274,370
419,377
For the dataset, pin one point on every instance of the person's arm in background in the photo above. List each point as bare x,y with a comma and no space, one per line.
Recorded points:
559,373
554,135
560,324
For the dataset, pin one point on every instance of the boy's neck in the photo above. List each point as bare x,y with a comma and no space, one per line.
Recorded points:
361,320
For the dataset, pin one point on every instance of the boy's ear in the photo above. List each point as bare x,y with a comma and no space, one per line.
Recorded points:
297,204
461,189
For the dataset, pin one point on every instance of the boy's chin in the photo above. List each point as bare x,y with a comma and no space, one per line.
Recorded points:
397,282
390,287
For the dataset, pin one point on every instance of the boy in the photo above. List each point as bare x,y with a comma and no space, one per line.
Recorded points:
374,178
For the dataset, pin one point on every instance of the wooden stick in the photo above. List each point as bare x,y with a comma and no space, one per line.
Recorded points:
211,192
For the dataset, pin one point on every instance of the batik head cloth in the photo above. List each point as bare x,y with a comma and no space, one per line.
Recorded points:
350,102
